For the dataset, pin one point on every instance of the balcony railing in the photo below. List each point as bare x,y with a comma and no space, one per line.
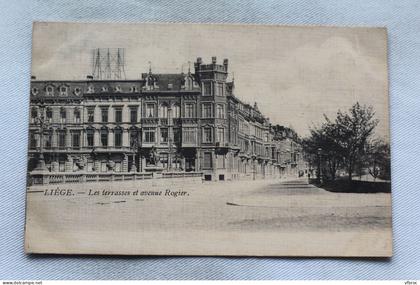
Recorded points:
43,178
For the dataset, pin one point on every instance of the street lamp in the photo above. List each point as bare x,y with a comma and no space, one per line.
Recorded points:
319,178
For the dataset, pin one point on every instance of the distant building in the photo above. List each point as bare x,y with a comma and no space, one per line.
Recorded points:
160,124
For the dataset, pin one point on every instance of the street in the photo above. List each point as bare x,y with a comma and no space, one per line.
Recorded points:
257,214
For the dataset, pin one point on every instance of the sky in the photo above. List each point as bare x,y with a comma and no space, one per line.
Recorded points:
295,74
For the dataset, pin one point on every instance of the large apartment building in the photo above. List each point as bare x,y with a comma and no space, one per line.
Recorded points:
160,124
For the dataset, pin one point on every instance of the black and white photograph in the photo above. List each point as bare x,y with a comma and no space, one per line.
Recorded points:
208,140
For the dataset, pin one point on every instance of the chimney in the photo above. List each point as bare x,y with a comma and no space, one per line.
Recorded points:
33,77
213,59
225,64
89,77
197,64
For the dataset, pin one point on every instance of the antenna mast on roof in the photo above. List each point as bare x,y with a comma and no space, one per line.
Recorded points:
108,64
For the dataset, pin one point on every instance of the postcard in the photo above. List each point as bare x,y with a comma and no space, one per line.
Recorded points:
208,140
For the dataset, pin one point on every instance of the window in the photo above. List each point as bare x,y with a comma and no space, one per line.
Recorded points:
118,115
118,137
207,135
189,135
104,137
207,160
177,111
49,115
63,115
164,160
133,115
90,89
163,135
75,139
149,135
77,116
266,137
220,111
63,91
189,110
163,111
220,89
49,91
177,135
32,140
62,165
34,115
134,138
90,133
91,115
207,110
61,139
150,110
220,135
207,88
104,114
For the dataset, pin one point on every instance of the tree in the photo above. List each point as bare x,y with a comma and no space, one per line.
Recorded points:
378,157
353,131
343,140
322,138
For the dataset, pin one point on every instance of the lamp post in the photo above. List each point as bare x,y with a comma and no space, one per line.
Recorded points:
319,178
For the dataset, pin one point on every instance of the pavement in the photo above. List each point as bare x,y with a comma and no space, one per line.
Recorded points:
263,217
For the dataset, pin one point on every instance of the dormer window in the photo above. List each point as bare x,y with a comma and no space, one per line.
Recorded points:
63,91
133,89
35,91
117,88
104,89
49,91
77,91
170,86
90,89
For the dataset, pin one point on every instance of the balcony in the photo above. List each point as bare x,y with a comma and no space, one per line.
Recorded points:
150,121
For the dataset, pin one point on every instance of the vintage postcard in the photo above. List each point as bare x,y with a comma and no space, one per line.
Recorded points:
208,139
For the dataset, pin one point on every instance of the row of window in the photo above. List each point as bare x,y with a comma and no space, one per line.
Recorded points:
62,116
213,88
189,111
209,88
150,112
189,136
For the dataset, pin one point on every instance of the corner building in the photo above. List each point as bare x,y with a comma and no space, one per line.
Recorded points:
161,124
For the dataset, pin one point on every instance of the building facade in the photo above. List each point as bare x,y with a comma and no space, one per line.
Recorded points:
159,124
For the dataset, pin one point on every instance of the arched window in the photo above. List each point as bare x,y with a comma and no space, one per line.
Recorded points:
163,111
176,111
